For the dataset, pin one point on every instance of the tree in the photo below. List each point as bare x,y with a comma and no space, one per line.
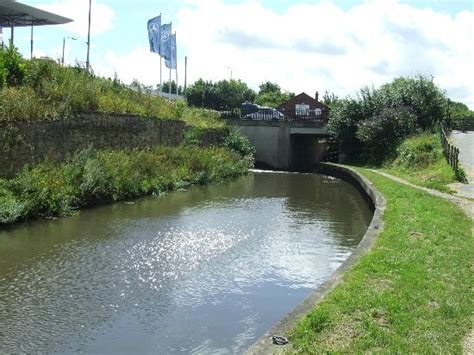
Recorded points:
382,133
270,94
427,101
166,87
12,66
371,125
200,93
268,87
329,99
222,96
459,110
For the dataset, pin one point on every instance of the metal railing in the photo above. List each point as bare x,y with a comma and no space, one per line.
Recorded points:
315,116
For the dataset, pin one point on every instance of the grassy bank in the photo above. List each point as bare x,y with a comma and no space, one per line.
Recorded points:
41,89
420,160
410,293
91,177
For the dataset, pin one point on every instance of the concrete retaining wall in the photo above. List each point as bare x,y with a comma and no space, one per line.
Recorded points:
285,145
270,142
376,201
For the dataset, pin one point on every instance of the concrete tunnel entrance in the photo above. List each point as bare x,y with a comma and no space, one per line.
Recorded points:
305,151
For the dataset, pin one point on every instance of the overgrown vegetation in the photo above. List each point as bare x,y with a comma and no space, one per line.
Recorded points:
371,126
411,293
458,110
42,89
91,177
459,117
420,160
271,95
227,95
222,95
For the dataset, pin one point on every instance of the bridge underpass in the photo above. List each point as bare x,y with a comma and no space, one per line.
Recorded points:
286,145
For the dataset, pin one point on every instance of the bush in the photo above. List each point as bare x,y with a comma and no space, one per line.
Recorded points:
238,143
10,208
420,94
419,151
93,177
13,65
344,119
371,125
382,133
23,104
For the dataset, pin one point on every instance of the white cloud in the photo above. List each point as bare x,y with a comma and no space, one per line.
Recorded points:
314,47
101,19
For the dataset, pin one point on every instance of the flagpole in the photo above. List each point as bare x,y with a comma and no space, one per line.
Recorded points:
176,70
185,71
161,90
170,82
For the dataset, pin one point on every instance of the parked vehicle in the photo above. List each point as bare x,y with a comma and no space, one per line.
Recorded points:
248,107
262,113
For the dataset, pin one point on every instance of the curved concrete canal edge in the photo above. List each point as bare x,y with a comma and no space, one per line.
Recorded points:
377,203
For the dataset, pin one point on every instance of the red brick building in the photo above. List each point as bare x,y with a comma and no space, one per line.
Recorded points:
306,108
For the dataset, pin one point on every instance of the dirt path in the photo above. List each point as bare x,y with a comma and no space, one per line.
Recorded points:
468,208
465,204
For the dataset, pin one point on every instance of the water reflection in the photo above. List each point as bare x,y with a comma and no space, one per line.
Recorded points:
204,270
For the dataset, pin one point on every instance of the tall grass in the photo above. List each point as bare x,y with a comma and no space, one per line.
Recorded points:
40,89
420,160
91,177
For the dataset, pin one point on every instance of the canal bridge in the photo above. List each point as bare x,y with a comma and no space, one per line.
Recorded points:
288,143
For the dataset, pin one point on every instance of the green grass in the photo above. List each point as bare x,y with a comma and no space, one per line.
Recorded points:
420,160
411,293
53,189
41,89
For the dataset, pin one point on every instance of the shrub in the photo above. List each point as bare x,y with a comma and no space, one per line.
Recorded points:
420,94
10,208
343,122
238,143
23,104
92,177
383,132
419,151
13,66
364,126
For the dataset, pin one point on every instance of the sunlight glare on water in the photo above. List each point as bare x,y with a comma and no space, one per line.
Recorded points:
207,270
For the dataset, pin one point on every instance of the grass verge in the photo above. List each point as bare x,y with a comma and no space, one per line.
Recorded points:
420,160
91,177
410,293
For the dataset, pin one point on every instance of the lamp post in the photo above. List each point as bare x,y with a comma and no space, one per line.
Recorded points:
89,37
230,72
64,46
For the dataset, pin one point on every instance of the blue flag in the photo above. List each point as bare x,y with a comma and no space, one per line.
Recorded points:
171,62
154,26
165,33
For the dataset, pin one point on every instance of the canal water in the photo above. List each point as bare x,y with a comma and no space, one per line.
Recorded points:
207,270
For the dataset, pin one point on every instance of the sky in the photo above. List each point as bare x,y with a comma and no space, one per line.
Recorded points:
337,46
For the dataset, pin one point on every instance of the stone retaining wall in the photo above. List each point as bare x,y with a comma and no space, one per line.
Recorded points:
32,142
